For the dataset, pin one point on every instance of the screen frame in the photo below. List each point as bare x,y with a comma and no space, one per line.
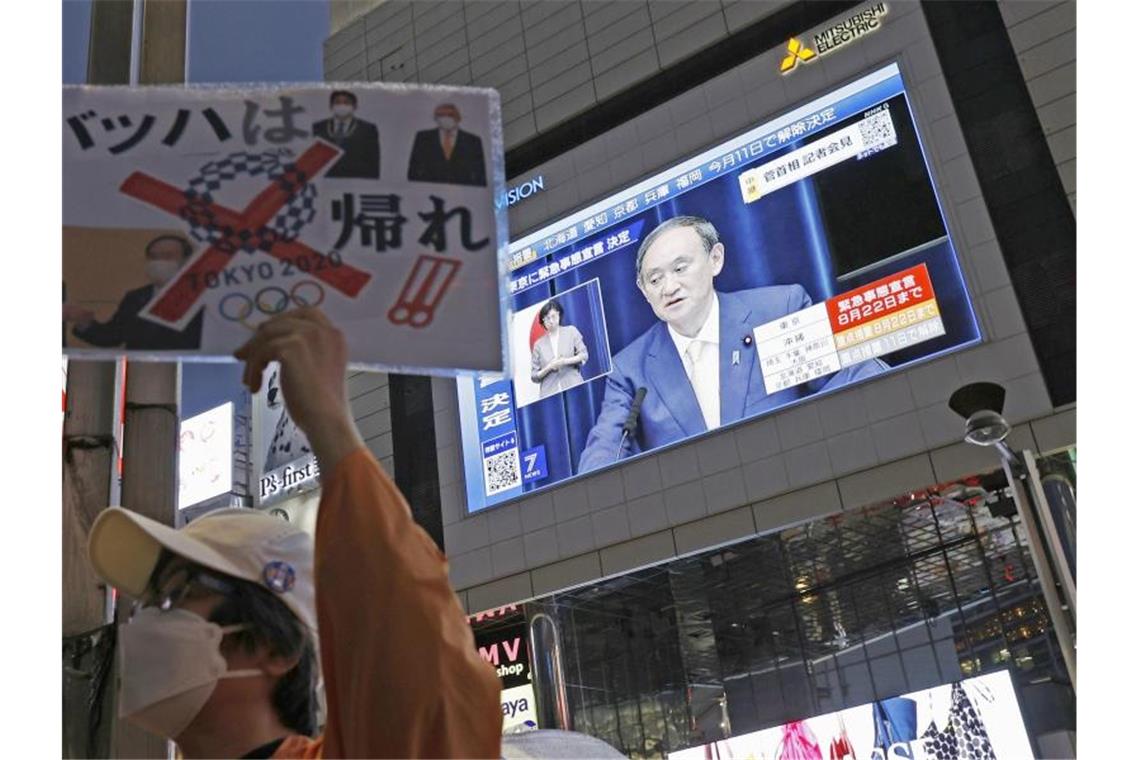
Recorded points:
869,76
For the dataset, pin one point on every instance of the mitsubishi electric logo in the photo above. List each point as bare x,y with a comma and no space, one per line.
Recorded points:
796,52
832,38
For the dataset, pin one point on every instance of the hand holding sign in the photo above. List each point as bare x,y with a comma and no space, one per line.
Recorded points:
313,356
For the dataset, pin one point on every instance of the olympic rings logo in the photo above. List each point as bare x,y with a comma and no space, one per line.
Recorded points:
270,301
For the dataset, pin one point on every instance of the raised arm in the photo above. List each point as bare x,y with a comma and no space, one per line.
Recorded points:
402,674
110,333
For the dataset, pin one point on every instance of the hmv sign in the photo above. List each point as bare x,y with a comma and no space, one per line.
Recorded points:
501,637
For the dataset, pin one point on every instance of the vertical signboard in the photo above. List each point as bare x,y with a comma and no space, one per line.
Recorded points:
206,456
501,636
283,461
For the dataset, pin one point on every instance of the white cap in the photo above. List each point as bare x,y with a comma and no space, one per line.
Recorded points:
124,548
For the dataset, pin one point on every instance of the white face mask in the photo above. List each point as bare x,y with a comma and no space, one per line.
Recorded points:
342,111
161,271
446,123
169,665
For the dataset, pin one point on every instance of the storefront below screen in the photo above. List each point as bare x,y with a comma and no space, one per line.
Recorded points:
909,628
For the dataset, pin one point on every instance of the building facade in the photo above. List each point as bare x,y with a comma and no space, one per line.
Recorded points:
598,96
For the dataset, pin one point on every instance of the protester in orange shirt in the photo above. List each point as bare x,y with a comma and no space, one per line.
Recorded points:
220,654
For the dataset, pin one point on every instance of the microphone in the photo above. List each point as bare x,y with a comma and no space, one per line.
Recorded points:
630,426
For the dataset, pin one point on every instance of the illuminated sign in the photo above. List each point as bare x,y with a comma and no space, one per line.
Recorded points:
518,708
521,192
977,717
500,636
830,39
796,52
205,456
816,238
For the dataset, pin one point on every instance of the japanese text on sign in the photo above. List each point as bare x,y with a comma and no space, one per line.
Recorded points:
257,200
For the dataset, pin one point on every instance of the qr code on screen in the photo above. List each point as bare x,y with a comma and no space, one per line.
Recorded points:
878,132
502,472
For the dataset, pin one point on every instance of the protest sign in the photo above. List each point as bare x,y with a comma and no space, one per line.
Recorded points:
191,215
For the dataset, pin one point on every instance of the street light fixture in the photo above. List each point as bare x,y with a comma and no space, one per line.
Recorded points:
981,404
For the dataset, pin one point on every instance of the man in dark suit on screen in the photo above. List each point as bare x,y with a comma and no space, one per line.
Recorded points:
127,328
447,153
359,139
698,365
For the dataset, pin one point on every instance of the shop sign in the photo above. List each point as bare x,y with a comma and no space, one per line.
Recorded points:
503,645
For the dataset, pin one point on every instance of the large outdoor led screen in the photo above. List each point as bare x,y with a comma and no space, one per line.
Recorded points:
805,255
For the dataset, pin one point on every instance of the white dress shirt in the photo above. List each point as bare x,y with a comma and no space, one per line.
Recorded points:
704,370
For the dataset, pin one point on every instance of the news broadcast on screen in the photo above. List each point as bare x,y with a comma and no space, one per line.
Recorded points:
806,255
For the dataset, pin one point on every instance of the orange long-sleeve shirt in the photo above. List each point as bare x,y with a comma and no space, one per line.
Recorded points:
402,675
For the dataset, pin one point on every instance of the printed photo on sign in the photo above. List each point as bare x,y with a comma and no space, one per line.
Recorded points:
561,343
806,255
446,153
191,216
107,288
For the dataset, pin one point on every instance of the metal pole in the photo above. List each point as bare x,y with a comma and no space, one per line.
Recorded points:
546,648
186,54
1062,503
1052,536
1040,558
136,41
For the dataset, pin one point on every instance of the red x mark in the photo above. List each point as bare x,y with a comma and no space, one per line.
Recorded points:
189,287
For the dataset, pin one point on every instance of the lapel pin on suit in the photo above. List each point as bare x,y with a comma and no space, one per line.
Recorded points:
735,357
